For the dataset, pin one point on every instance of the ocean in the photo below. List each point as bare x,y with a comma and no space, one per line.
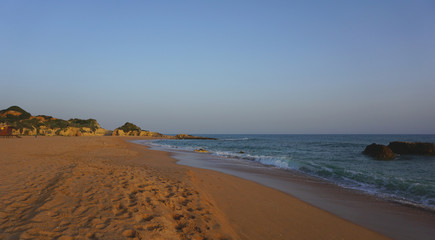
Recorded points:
334,158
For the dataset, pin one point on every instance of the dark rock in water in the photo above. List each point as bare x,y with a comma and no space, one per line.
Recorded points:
414,148
405,148
380,152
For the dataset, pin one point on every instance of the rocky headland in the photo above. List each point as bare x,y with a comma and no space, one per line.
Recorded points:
24,123
129,129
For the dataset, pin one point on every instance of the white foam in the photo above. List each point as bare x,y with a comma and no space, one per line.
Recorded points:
374,186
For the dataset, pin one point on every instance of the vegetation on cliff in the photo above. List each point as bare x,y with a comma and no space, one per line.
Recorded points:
13,113
26,124
89,123
128,127
57,123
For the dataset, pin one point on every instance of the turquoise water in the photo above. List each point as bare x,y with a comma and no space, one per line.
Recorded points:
336,158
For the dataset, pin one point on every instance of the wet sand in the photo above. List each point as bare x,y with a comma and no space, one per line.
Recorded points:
388,217
108,188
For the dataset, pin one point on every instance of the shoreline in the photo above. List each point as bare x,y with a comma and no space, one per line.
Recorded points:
106,187
281,211
375,213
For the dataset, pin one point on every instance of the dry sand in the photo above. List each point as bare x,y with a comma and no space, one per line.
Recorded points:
107,188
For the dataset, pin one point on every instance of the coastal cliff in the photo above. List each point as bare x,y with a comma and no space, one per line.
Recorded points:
129,129
26,124
23,123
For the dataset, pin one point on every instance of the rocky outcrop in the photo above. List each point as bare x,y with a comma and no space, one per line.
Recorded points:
26,124
15,113
152,134
185,136
129,129
389,152
69,131
118,132
135,133
412,148
380,152
201,150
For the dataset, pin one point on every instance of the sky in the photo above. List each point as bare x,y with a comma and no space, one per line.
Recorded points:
295,67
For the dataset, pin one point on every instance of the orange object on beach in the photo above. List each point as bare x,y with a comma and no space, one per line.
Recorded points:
6,130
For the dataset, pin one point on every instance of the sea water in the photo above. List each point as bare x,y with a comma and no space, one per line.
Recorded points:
335,158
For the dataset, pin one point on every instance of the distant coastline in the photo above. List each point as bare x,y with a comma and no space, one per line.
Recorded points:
25,124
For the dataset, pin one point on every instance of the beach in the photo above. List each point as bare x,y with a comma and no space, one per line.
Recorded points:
109,188
251,157
217,120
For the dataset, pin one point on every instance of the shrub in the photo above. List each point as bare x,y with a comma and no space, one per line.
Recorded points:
28,123
57,123
90,123
24,114
127,127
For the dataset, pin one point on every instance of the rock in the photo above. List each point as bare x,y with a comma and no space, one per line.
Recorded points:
118,132
102,132
130,233
144,134
201,150
70,131
129,129
85,131
133,133
185,136
415,148
26,124
380,152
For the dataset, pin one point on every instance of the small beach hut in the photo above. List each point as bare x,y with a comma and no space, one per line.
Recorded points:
6,130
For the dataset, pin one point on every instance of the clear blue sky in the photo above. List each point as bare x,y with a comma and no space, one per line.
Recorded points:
224,66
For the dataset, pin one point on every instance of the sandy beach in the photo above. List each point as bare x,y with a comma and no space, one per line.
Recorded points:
108,188
217,120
